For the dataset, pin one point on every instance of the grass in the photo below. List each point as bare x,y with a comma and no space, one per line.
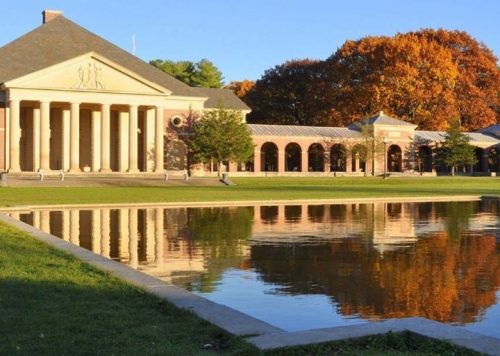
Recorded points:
54,304
248,189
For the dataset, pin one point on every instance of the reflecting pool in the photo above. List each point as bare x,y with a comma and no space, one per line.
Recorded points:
310,266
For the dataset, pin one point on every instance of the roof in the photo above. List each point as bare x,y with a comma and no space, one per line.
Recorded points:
303,131
491,130
382,119
226,97
438,136
60,40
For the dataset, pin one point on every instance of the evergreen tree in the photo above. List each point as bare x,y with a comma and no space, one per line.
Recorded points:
455,150
201,74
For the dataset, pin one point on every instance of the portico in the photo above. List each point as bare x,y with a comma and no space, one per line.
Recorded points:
85,137
90,122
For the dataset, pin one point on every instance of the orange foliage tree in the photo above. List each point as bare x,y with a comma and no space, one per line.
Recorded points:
477,89
429,77
408,77
240,88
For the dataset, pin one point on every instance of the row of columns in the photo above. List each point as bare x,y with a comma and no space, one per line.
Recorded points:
71,132
304,162
128,230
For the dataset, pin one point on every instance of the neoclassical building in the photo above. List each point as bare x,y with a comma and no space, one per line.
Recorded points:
71,101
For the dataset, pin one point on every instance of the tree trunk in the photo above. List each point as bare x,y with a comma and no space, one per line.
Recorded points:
219,167
452,171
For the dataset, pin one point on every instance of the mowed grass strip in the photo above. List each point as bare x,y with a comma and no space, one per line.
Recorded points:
247,189
53,304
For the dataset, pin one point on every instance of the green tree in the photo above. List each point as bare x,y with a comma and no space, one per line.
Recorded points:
200,74
455,150
221,134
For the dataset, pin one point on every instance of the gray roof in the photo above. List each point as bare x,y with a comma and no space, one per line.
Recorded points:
438,136
222,96
60,40
303,131
382,119
491,130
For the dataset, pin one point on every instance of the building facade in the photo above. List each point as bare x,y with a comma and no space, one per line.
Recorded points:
71,101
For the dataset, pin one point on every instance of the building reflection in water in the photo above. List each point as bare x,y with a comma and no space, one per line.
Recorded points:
374,261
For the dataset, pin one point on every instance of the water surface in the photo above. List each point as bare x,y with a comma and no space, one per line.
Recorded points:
300,267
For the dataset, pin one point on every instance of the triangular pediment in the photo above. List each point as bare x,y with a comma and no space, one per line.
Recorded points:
90,72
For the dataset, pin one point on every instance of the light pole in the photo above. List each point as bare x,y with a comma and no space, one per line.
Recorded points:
385,157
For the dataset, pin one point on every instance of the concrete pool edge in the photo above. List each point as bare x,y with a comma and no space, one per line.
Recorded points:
261,334
208,204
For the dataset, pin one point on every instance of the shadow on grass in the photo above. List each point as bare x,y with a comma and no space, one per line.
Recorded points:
63,318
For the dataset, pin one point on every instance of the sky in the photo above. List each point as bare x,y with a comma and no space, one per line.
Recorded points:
245,38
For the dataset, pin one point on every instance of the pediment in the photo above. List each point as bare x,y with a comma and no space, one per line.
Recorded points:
90,72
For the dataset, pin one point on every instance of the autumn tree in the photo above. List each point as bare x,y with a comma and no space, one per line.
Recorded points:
240,88
200,74
409,77
455,150
477,85
221,134
290,94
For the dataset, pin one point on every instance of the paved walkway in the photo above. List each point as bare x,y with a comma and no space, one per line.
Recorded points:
109,181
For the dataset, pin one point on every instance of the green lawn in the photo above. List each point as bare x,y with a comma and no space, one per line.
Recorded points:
258,189
54,304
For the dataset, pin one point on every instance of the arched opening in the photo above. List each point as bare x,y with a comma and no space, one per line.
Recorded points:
394,159
269,160
358,158
425,159
316,155
478,153
338,155
493,160
293,157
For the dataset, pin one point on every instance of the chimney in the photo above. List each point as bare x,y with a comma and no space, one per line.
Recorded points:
49,15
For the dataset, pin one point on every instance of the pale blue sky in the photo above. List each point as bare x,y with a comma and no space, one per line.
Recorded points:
244,38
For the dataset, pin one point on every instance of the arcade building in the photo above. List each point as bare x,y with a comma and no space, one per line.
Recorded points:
71,101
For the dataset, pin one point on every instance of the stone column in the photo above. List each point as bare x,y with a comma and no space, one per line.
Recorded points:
74,227
45,221
150,234
281,161
150,139
257,160
105,232
348,162
159,131
123,139
45,135
132,139
124,235
133,233
105,139
36,219
304,160
65,225
159,237
96,140
75,138
15,135
96,231
66,127
36,139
